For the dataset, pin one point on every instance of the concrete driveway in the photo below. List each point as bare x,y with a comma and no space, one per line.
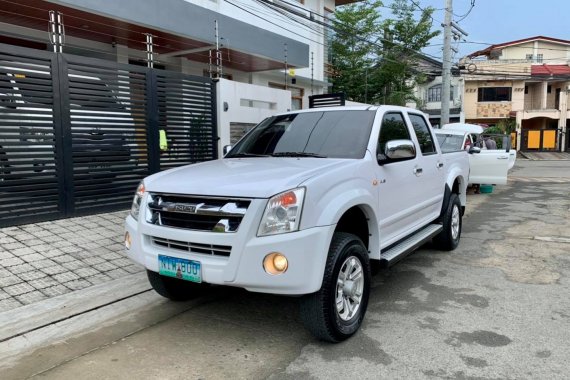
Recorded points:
495,308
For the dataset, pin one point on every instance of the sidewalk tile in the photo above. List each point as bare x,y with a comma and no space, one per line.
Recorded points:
32,275
133,268
65,277
77,284
22,268
63,259
9,281
31,297
73,265
104,266
16,290
99,279
45,263
11,246
43,283
6,263
9,304
55,290
86,272
117,273
6,255
53,270
93,260
33,257
22,251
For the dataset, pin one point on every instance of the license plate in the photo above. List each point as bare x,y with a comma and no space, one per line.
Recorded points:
183,269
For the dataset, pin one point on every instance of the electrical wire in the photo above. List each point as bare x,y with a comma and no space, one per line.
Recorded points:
463,17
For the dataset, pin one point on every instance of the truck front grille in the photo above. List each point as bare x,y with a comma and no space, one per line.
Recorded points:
197,213
202,249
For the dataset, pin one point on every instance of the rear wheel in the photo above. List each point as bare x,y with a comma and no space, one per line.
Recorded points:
336,311
175,289
448,238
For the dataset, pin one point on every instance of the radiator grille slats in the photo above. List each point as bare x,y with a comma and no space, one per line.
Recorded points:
197,213
197,248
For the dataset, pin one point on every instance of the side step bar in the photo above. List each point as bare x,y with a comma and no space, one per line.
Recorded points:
408,245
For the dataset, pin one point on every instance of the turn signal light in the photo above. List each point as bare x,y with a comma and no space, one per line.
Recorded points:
275,263
127,240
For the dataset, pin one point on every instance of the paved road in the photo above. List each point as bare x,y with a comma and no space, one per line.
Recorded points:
496,308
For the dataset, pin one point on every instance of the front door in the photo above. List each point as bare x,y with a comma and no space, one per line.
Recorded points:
397,187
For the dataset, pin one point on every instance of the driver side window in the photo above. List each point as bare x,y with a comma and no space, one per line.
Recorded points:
393,128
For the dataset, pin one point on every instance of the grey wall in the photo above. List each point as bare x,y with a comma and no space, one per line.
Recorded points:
183,18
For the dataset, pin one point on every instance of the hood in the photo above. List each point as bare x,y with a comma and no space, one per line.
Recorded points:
241,177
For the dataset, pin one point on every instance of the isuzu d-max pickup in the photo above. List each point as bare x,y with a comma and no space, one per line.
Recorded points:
302,205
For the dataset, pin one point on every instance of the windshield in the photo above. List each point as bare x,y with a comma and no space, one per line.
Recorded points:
334,134
450,142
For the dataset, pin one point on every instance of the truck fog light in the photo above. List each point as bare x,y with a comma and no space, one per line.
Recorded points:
275,263
127,240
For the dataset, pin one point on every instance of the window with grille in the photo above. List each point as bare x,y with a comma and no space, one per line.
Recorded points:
434,93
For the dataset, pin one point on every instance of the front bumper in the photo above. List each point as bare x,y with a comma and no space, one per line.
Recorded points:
305,250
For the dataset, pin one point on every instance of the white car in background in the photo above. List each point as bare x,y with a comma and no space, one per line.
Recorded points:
487,166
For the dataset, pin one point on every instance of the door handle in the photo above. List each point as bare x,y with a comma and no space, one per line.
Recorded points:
440,164
418,171
503,158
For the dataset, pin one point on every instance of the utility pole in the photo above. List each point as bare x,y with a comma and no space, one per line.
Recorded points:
446,75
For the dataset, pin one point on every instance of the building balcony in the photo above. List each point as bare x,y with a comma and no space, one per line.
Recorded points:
546,113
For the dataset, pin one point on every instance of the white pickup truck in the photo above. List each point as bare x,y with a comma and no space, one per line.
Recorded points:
302,205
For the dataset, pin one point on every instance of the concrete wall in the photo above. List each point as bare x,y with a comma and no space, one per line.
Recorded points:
246,104
551,52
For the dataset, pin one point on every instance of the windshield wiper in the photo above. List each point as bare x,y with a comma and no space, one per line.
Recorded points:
247,155
297,154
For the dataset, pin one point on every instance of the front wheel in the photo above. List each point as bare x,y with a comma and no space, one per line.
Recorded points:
448,238
336,311
175,289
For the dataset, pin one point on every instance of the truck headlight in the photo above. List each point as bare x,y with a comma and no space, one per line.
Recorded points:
136,207
283,213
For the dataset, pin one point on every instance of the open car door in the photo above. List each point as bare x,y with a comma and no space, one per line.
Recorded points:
490,166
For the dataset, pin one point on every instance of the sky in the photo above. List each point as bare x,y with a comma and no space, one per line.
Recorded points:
497,21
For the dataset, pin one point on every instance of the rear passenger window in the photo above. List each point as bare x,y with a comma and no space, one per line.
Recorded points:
393,128
422,133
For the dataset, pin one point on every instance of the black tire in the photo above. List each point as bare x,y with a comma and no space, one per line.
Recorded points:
175,289
318,310
446,241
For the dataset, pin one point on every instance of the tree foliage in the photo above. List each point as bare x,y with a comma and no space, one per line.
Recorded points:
374,59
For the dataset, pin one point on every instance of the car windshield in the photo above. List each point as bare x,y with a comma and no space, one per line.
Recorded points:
450,142
334,134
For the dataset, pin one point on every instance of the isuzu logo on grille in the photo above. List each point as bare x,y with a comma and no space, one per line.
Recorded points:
184,208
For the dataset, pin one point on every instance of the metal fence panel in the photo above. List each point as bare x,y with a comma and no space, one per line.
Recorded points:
77,134
186,117
29,177
108,132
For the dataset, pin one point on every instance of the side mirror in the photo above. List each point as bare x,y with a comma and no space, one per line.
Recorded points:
397,150
474,149
226,149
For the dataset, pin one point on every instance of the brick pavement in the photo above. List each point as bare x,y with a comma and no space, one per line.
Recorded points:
47,259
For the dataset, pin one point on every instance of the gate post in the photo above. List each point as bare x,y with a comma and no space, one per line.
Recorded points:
214,102
152,132
63,143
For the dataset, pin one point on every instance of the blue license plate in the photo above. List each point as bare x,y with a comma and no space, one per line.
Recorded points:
183,269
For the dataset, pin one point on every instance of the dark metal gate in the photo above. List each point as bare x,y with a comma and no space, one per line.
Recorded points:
77,134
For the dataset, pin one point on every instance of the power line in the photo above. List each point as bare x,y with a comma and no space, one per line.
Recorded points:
463,17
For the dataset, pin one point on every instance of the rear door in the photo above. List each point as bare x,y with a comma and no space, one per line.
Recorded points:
489,167
429,171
